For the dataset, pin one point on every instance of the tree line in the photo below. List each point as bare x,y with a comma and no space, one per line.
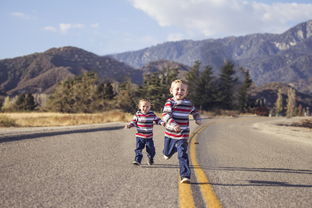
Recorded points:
86,93
226,89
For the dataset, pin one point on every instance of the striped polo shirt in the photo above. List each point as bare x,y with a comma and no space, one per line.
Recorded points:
177,113
144,124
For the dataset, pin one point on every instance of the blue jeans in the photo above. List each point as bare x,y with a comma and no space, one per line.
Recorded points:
172,146
140,144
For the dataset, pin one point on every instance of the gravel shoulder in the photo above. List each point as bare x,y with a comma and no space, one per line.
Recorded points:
281,127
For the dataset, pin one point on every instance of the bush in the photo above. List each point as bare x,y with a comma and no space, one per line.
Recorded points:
7,122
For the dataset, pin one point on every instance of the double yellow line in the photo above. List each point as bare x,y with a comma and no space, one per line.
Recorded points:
186,199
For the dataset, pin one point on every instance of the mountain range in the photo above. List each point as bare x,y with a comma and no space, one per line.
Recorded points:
40,72
285,57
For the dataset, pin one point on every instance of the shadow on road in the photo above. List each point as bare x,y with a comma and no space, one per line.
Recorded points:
160,166
266,170
55,133
260,182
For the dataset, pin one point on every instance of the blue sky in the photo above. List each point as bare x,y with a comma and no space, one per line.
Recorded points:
112,26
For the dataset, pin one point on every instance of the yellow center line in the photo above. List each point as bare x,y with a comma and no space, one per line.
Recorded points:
206,189
185,196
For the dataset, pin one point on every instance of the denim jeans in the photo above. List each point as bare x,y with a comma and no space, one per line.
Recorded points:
140,144
172,146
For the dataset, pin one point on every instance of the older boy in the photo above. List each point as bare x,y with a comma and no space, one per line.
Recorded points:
143,120
176,116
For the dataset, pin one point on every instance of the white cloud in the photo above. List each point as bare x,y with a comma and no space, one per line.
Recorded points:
20,15
95,25
64,27
50,28
225,17
175,37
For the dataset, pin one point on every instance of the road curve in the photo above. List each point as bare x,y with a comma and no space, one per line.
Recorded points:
248,168
91,167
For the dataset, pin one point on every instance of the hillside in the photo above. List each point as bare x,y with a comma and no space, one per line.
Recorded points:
40,72
285,57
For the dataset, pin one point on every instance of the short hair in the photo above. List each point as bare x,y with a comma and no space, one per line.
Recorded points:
144,100
178,81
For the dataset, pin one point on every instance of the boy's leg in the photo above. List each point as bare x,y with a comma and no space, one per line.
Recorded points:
150,148
169,147
138,150
185,171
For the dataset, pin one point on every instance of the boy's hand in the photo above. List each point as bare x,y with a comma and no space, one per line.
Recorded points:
163,123
127,126
198,122
177,128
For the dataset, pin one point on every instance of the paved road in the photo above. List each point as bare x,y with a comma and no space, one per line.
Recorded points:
91,167
248,168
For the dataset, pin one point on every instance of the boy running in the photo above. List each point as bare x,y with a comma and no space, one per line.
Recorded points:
143,120
176,116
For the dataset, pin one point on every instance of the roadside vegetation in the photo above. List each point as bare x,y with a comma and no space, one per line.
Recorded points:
41,119
86,99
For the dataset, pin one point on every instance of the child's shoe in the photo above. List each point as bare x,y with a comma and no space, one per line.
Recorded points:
185,180
136,163
167,157
150,161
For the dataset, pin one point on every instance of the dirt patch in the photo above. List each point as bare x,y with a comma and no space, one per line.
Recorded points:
297,129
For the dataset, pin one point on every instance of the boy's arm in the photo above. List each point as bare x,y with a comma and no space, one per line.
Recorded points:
158,121
196,116
133,122
167,114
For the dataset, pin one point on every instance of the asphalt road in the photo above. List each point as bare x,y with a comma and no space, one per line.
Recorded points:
248,168
91,167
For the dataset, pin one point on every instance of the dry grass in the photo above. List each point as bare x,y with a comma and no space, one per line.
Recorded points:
39,119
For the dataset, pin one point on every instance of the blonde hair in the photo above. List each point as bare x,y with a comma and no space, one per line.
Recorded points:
144,100
178,81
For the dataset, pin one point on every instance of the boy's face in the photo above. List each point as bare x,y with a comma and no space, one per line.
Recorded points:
179,91
144,106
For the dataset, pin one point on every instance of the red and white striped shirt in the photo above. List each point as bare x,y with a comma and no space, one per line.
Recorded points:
177,113
144,124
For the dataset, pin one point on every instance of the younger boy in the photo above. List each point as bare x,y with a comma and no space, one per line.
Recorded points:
176,116
143,120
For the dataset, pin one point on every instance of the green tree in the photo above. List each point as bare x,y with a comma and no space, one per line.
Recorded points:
74,95
226,83
205,89
127,97
243,91
7,104
192,79
279,103
291,102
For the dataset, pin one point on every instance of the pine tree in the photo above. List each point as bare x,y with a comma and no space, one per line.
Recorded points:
206,89
291,102
243,91
192,79
226,85
279,103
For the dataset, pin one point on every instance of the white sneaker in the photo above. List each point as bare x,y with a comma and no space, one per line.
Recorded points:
185,180
166,157
136,163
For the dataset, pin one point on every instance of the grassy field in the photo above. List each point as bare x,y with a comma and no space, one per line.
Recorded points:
40,119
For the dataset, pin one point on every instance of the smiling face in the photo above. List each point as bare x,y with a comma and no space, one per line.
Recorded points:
178,90
144,106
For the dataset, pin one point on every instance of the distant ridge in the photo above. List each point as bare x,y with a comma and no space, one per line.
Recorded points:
285,57
40,72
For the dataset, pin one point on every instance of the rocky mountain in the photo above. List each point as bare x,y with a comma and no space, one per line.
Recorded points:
40,72
285,57
268,94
